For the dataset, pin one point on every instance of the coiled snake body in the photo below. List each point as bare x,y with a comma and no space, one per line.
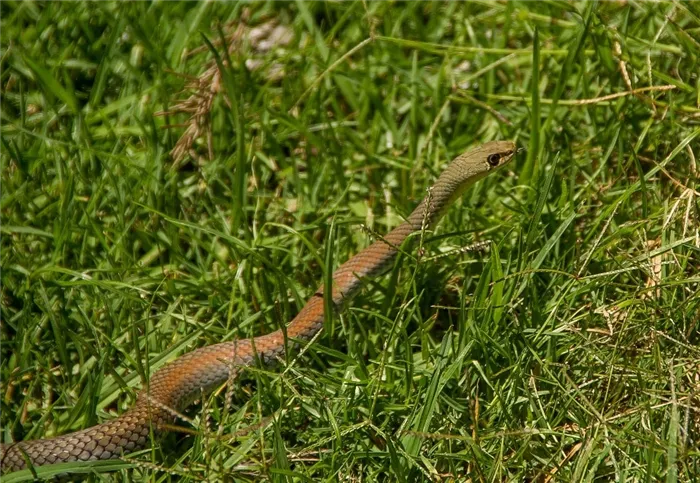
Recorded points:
176,385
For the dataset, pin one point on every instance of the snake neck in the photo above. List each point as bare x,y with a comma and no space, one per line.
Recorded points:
373,260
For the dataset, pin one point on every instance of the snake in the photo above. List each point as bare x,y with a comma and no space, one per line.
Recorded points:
192,375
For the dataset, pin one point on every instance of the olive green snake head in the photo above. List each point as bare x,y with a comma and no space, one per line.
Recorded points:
191,375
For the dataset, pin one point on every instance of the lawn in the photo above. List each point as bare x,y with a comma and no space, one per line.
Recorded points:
180,174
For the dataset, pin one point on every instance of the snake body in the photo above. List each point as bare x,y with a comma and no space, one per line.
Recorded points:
179,383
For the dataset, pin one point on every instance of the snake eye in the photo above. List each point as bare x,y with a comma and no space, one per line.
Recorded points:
493,159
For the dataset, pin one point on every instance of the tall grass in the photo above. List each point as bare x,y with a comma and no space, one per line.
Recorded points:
131,234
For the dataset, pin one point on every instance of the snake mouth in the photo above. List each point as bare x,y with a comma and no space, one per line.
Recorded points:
507,157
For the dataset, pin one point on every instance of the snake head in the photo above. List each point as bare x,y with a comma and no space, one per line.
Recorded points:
474,164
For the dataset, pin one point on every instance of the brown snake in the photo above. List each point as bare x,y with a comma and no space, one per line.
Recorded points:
179,383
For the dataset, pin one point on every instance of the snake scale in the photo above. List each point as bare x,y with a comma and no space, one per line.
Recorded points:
179,383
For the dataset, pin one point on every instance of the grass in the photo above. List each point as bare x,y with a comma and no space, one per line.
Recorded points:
568,351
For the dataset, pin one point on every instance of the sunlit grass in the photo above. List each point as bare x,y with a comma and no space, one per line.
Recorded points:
567,351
